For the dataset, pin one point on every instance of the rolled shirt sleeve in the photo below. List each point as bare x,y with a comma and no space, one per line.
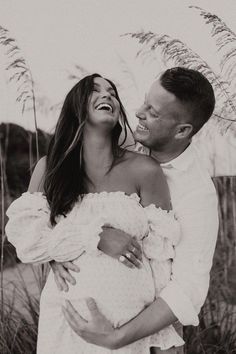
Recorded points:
187,290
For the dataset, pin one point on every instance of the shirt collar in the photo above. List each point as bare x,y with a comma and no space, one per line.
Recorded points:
181,162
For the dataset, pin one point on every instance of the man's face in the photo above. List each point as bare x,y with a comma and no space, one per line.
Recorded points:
159,117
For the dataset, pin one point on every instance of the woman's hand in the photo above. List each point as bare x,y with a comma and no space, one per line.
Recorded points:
62,274
118,244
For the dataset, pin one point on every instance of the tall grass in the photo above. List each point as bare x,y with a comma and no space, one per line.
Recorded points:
217,330
174,52
21,76
19,325
2,169
225,40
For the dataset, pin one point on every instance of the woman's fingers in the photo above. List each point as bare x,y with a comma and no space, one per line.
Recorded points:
122,259
133,259
129,260
136,249
132,254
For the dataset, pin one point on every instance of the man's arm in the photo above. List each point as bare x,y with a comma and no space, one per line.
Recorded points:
186,291
154,318
100,331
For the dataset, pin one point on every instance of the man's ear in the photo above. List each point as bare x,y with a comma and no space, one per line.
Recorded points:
183,131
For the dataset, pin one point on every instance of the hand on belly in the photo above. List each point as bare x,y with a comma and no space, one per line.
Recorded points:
120,292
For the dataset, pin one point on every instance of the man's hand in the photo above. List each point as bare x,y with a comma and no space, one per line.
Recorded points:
118,244
62,274
97,331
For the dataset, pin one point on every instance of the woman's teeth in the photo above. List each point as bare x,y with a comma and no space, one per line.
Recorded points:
104,106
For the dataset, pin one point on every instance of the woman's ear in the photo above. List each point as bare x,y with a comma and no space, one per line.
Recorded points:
183,131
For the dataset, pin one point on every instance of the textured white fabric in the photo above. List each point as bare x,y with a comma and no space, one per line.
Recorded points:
120,292
195,204
30,231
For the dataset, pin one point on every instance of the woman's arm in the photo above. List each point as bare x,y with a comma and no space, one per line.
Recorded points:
37,178
28,227
30,230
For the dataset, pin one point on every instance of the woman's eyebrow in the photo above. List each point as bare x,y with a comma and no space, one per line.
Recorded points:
108,88
111,89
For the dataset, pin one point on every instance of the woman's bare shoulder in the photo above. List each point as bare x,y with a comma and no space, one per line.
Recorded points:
150,181
143,163
37,178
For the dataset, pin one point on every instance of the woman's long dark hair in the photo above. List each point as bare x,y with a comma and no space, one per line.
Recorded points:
65,177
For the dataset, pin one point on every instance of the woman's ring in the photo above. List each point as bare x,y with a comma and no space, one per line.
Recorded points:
121,259
128,255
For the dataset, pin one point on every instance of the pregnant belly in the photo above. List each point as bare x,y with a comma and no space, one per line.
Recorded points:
120,292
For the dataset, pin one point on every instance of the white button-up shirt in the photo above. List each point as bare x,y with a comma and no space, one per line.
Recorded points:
194,201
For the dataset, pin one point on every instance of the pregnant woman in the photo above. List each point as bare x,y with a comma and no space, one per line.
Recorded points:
90,182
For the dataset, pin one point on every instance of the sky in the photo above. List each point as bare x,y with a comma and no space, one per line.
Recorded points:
57,34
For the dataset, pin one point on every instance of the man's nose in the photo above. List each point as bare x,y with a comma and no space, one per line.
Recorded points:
140,113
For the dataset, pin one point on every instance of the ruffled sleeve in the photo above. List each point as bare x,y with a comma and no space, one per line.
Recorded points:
30,231
159,244
164,234
28,227
72,237
159,247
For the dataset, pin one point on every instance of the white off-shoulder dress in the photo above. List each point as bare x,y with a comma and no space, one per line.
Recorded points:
120,292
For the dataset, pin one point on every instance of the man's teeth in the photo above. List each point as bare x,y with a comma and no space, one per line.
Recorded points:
105,106
141,127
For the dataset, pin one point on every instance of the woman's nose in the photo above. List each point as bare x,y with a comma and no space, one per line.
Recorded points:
105,94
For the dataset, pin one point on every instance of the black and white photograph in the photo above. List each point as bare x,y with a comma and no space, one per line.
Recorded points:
118,177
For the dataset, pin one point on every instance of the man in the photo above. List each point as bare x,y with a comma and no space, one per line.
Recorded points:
177,105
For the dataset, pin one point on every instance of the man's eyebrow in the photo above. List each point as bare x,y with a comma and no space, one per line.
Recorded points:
149,106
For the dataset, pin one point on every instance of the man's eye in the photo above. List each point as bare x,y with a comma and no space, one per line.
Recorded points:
154,114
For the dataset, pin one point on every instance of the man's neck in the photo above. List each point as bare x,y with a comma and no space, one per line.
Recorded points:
167,156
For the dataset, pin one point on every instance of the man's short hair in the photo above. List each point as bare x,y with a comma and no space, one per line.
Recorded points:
194,90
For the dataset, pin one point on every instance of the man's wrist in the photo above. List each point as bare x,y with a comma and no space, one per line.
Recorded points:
117,338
